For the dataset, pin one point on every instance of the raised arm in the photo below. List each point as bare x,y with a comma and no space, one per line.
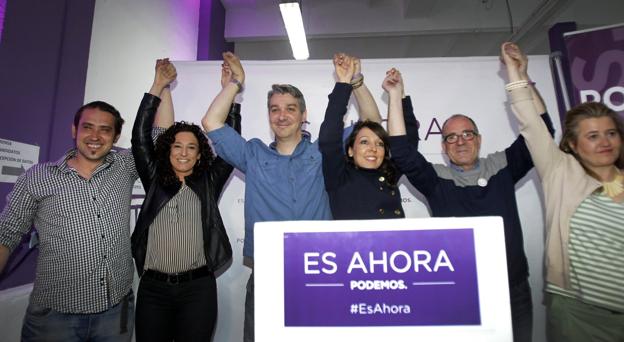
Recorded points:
232,81
393,85
403,133
367,107
165,74
527,109
220,168
142,142
512,52
331,144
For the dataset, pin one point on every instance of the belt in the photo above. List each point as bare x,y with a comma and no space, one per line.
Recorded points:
178,278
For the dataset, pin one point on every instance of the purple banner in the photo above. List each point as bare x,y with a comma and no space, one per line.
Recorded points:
596,61
2,13
381,278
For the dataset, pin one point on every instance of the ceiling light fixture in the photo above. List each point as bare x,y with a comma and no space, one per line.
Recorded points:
291,14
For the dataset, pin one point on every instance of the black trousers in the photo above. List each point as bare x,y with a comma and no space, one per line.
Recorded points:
182,312
521,312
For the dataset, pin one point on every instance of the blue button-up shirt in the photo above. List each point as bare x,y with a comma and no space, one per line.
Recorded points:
277,187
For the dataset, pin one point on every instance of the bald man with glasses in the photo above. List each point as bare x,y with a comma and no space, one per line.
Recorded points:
473,186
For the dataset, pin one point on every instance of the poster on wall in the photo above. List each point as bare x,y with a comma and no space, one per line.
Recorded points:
596,59
430,279
15,159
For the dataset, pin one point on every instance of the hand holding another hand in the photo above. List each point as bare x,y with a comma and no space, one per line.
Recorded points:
344,67
515,61
393,83
164,73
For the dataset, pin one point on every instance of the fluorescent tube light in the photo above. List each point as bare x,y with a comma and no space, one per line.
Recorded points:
291,14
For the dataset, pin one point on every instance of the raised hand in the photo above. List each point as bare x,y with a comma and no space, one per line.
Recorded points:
233,66
226,74
393,82
344,67
164,73
515,61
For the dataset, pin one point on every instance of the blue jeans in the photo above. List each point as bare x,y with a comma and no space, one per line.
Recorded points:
45,324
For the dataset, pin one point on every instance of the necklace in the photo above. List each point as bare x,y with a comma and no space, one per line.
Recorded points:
614,187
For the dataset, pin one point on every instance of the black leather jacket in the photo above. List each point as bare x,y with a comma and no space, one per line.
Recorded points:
207,187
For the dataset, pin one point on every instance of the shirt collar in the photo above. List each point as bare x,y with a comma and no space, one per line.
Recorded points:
305,137
459,169
62,165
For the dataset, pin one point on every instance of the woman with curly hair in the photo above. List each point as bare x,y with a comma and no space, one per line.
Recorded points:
360,178
179,241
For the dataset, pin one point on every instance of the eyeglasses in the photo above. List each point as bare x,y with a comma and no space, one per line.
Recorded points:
467,135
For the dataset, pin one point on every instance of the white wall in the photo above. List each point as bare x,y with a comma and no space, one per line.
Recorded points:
127,38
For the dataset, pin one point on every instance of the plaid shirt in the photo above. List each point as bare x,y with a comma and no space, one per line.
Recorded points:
85,264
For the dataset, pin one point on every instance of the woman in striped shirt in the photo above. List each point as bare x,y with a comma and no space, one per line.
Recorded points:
179,241
584,198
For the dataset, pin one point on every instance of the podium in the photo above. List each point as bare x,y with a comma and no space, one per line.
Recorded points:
428,279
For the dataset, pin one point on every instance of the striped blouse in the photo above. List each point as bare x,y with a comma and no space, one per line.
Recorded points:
175,241
596,248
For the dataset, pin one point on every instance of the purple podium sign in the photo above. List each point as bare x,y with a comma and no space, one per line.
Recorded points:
381,278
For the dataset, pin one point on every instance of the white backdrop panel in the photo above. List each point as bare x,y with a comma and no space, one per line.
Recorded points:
439,87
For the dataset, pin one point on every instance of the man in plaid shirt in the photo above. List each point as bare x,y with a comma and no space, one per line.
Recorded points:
80,206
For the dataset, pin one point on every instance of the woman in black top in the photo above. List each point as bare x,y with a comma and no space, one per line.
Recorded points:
360,178
179,241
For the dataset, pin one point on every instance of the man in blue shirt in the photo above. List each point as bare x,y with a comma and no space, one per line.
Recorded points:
283,180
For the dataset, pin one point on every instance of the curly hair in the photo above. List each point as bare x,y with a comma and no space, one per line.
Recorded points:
162,149
584,111
387,167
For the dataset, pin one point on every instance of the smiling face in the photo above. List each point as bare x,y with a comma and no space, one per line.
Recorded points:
184,154
463,153
597,142
285,116
368,150
94,135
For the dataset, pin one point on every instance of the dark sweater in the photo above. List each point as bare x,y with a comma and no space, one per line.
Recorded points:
488,190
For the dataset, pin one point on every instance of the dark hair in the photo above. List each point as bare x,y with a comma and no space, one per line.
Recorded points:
287,89
105,107
387,167
163,150
476,129
584,111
